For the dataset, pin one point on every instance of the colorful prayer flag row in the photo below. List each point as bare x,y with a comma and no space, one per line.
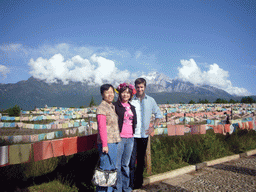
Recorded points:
173,130
43,136
44,117
57,125
22,153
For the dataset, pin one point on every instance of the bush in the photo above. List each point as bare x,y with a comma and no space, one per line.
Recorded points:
14,111
241,141
170,153
74,172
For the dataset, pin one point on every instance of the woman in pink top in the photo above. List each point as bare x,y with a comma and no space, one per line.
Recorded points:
108,132
127,121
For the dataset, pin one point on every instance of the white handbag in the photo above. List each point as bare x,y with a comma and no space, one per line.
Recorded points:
104,178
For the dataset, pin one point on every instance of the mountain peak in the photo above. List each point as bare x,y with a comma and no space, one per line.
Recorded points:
157,78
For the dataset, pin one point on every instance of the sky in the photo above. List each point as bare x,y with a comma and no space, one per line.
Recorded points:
208,42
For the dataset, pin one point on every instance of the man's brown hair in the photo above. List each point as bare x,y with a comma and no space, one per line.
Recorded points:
139,81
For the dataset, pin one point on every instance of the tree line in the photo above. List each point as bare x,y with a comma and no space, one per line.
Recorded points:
247,100
15,111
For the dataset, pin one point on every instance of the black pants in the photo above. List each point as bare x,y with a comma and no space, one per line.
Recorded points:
139,151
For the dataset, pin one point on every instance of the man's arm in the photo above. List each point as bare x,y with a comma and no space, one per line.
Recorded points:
158,115
152,127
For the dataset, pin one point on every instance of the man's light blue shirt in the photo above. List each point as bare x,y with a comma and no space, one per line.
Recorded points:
144,110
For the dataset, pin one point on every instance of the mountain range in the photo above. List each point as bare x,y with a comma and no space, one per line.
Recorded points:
37,93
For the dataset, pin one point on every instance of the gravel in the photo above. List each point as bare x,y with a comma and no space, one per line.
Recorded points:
236,175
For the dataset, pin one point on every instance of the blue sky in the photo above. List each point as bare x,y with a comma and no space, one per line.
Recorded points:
204,42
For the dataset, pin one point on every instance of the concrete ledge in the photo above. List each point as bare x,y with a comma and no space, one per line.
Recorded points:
201,165
243,155
190,168
252,152
169,174
222,160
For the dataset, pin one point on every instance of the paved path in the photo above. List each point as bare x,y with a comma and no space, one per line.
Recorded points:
236,175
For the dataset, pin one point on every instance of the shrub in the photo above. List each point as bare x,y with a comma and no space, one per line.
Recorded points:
170,153
14,111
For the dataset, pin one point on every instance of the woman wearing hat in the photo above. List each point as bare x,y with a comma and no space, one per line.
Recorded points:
127,121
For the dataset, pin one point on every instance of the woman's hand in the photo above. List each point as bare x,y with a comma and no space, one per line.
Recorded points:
105,150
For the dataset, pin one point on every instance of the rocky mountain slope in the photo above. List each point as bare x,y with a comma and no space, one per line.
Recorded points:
34,92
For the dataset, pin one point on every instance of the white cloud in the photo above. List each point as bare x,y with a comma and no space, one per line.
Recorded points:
11,47
97,70
4,70
238,91
190,72
215,76
138,54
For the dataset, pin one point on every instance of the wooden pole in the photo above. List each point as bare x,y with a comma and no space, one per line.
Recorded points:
90,126
148,157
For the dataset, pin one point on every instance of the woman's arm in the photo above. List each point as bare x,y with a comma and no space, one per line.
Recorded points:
102,126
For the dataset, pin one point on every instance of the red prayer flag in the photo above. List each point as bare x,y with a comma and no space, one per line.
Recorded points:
70,145
179,130
171,129
194,129
215,129
202,129
227,128
220,128
82,144
58,148
42,150
92,141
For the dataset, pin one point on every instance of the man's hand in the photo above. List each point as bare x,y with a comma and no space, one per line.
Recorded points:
105,150
150,130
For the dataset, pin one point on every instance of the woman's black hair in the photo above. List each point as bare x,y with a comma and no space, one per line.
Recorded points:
105,87
122,90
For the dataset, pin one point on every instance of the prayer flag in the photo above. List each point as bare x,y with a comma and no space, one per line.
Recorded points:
42,150
70,145
20,153
171,129
179,130
58,148
4,156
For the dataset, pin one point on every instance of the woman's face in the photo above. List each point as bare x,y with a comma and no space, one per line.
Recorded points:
125,95
108,95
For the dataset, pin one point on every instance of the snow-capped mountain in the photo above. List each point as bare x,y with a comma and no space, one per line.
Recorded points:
34,92
157,82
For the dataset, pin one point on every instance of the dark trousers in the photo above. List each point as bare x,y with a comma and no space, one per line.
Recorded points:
139,151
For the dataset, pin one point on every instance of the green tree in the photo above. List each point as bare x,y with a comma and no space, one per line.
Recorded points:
218,100
14,111
191,102
247,100
205,101
221,101
232,101
92,102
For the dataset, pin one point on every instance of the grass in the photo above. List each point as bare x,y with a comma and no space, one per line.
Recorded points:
169,153
55,185
71,173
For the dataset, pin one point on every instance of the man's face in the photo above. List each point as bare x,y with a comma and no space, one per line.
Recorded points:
140,88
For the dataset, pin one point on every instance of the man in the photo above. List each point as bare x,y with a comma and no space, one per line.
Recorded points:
227,118
145,106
